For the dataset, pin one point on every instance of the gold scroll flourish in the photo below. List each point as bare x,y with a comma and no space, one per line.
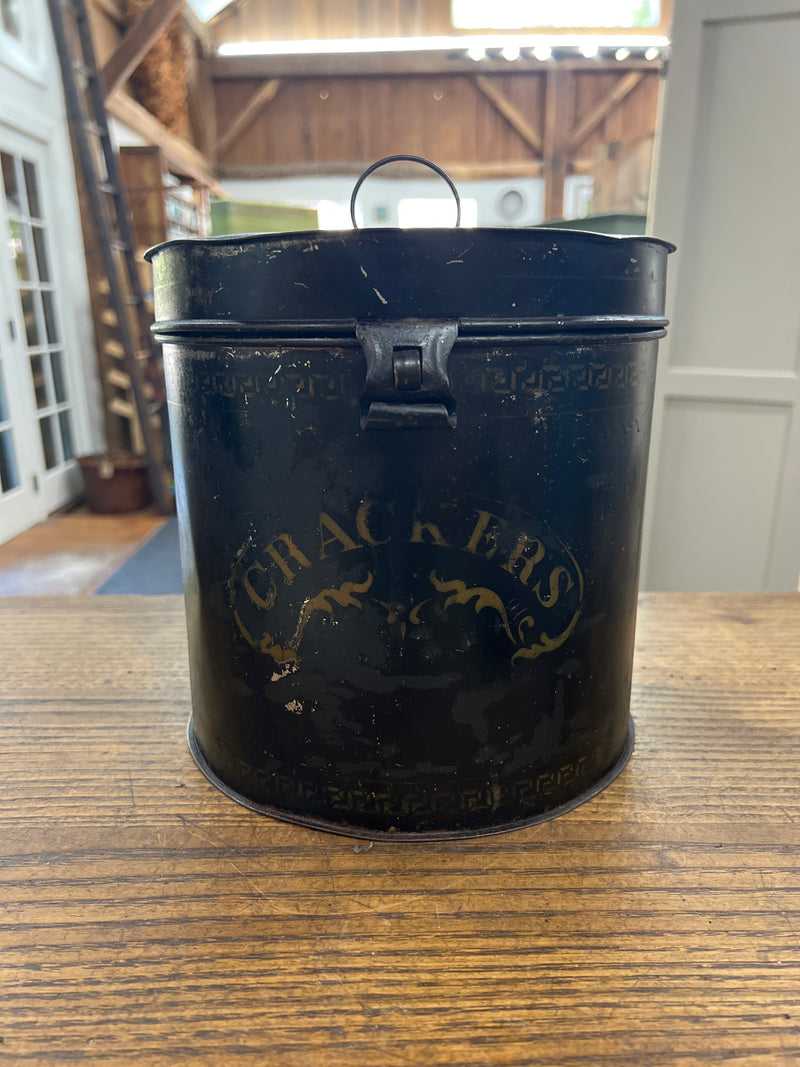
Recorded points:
460,593
267,643
545,642
324,601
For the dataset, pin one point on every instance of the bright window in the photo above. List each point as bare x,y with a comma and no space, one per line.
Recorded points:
530,14
332,215
21,37
431,211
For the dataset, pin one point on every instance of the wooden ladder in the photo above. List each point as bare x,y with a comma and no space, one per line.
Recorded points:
127,353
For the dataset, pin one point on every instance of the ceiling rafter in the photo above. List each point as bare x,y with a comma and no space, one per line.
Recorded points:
111,8
138,39
182,157
458,171
390,63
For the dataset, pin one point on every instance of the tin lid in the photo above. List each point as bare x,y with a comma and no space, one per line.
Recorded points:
488,280
480,276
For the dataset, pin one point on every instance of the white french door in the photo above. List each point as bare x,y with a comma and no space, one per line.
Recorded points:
38,368
723,500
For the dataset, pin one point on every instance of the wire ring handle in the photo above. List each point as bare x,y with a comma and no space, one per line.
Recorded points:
406,159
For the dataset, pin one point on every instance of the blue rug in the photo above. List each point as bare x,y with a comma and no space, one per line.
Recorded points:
155,570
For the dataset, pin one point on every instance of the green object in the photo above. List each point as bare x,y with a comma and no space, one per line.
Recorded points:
614,224
232,216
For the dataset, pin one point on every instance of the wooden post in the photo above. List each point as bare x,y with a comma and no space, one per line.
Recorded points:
202,104
557,131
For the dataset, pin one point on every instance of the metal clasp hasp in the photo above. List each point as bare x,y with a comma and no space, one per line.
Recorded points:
407,384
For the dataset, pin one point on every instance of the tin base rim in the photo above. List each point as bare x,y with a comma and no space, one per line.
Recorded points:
365,834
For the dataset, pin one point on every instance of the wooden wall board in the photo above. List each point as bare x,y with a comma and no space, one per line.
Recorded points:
289,20
632,119
261,98
358,119
340,119
366,118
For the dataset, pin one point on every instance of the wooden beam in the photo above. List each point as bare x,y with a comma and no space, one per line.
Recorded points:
475,172
510,113
603,109
183,158
556,141
112,8
580,166
232,3
202,105
137,41
459,172
386,63
199,28
247,116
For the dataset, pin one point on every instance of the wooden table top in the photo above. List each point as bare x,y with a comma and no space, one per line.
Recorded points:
145,917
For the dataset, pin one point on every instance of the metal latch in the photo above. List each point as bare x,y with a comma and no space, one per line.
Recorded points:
407,382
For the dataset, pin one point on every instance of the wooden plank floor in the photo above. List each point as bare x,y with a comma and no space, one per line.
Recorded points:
72,552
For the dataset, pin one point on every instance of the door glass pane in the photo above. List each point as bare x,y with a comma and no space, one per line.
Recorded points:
32,185
29,301
66,434
10,183
8,466
42,266
19,251
48,442
50,324
9,14
9,478
39,382
4,412
58,377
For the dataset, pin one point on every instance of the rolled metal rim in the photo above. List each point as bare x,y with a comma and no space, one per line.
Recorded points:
406,836
341,333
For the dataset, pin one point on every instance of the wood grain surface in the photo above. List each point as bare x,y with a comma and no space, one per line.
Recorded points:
72,552
146,918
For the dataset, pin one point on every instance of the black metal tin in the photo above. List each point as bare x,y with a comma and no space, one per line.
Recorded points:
410,468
